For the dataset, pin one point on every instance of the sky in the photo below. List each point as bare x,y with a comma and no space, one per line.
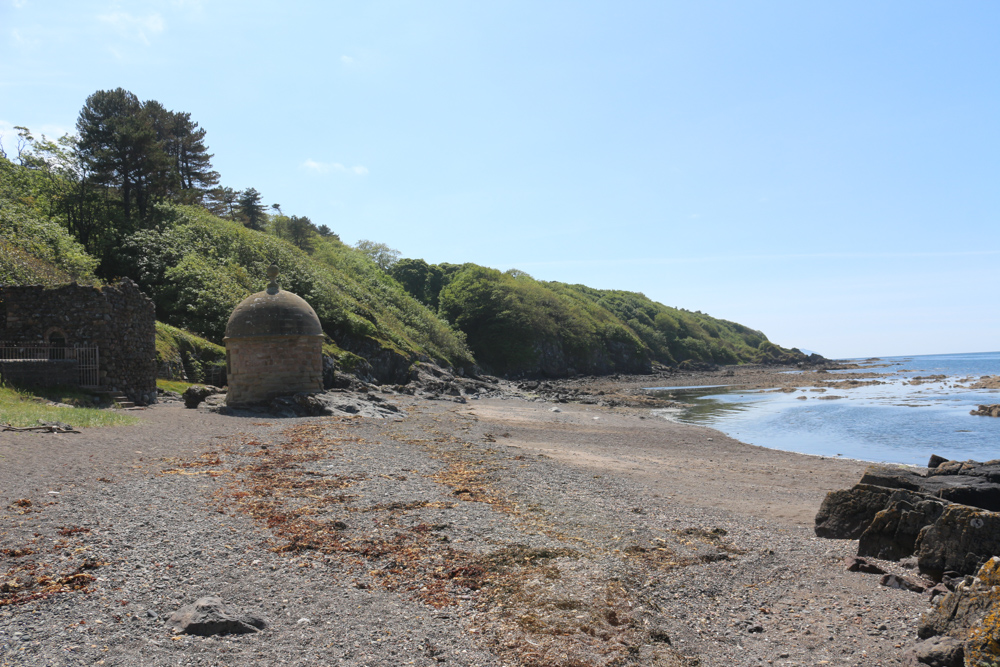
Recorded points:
828,173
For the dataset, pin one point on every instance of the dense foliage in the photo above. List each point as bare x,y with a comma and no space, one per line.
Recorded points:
181,354
517,325
34,249
197,268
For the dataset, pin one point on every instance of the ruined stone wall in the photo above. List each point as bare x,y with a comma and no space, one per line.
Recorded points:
118,318
40,372
264,367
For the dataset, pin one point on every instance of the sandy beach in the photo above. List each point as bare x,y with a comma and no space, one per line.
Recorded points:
494,532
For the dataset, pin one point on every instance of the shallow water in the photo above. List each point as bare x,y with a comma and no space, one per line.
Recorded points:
894,422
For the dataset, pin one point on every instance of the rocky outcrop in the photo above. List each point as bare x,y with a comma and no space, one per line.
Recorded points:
948,515
960,540
845,514
893,532
967,617
987,410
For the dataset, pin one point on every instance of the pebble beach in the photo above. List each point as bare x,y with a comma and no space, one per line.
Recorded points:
496,531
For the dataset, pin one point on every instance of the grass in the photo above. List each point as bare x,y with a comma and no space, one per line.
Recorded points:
173,385
21,408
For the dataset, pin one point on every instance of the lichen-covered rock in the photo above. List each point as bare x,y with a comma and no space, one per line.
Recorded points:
970,614
845,514
960,609
893,532
962,539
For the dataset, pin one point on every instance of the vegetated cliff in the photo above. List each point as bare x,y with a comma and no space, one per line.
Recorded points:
197,267
33,249
519,326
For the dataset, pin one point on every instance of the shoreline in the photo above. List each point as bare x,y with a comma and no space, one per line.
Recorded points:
703,543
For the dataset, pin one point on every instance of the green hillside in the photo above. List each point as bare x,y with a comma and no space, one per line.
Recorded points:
517,325
134,194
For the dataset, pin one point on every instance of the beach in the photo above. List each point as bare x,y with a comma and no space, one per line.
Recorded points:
514,531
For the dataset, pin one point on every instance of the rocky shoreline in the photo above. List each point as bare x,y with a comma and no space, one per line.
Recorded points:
472,523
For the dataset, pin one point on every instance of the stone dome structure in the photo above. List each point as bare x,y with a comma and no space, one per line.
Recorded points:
274,346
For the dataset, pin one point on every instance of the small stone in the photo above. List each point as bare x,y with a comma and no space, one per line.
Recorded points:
859,564
902,583
303,621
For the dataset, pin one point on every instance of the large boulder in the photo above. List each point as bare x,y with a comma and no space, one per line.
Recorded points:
961,540
967,482
845,514
892,533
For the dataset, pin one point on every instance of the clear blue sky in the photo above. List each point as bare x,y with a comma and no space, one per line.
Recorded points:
827,172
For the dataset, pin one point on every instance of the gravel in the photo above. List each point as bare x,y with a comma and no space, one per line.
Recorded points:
423,540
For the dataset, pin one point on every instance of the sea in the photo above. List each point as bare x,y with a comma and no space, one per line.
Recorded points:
895,422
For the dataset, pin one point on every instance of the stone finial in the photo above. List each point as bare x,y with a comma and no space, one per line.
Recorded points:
272,273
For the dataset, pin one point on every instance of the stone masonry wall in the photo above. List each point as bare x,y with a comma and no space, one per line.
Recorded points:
264,367
118,318
40,372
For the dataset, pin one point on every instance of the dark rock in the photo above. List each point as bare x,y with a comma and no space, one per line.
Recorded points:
936,590
857,564
935,652
903,583
962,539
209,616
845,514
196,393
893,532
987,410
935,461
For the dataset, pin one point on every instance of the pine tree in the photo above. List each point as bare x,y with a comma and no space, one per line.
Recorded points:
251,210
119,146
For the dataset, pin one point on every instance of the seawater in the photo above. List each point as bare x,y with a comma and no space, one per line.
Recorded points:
893,422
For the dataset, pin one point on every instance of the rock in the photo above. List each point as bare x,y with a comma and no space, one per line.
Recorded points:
845,514
856,564
903,583
209,616
935,461
962,539
893,532
987,410
935,652
195,394
956,613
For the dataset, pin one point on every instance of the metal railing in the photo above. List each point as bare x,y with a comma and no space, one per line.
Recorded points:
87,358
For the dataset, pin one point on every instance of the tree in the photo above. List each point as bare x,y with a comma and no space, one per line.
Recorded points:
412,275
379,253
251,210
221,201
300,232
189,172
324,230
119,147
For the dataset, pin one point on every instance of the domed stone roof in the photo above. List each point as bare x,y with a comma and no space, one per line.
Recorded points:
273,313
